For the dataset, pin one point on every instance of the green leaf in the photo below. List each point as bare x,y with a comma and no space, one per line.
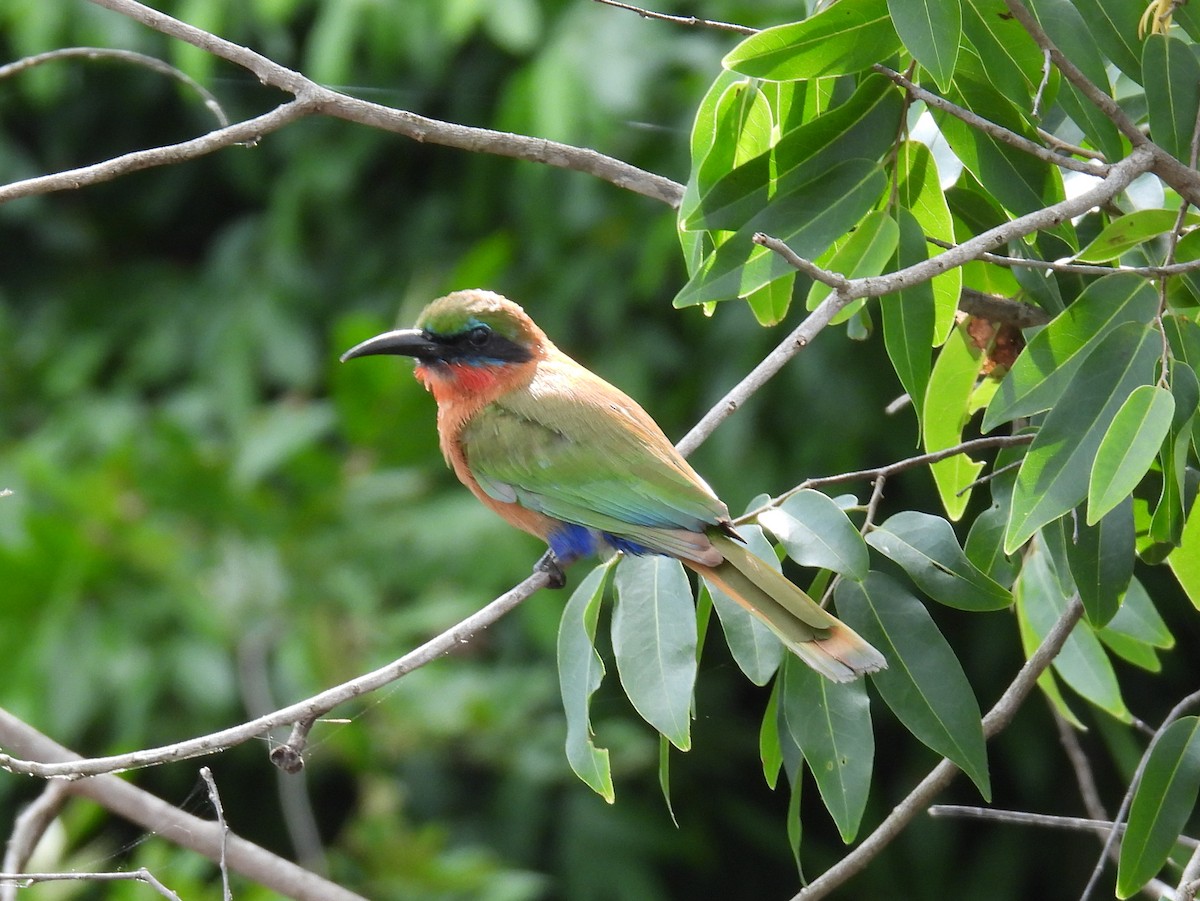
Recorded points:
1185,559
909,316
755,648
1173,93
1162,805
947,401
1055,472
865,252
1126,232
654,642
1167,522
926,548
847,37
831,724
1013,61
770,752
1113,25
1048,362
1101,561
931,32
580,671
664,775
808,219
1137,631
1082,662
1128,448
985,545
863,127
924,683
816,532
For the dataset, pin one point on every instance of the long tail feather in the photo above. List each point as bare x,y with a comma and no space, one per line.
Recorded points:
817,637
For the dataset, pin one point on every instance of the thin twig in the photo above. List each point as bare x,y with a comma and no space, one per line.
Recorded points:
310,708
1189,881
1082,767
1024,818
126,56
921,797
214,798
999,132
24,880
681,20
1075,268
1037,98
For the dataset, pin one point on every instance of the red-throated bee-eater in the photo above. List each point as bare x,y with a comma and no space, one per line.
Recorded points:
561,453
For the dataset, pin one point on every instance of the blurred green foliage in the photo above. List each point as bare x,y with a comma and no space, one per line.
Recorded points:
209,514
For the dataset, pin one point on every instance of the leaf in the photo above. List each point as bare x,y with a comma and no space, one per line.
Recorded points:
1162,804
1101,561
946,404
816,532
1013,61
1137,631
1185,559
755,648
580,671
985,545
1167,522
770,752
924,683
654,642
926,548
1173,93
1082,662
808,219
1048,362
931,31
1126,232
1128,448
846,37
831,724
664,775
1055,472
909,316
1113,24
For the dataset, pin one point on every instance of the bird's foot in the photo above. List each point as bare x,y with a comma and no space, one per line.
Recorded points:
550,566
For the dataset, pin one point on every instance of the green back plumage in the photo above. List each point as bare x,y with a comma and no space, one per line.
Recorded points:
573,447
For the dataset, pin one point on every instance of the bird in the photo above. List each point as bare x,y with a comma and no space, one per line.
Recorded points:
564,455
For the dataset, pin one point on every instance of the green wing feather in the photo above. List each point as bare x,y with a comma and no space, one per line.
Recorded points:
587,454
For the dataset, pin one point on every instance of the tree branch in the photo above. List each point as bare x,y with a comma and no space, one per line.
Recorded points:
308,709
171,823
681,20
922,796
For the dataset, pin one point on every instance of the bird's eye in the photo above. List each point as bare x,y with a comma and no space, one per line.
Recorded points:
479,335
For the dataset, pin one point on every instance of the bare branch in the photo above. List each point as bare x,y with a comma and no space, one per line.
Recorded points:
681,20
171,823
315,98
214,798
1077,268
126,56
922,796
1001,309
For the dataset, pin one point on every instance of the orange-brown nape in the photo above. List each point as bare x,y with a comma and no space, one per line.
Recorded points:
561,453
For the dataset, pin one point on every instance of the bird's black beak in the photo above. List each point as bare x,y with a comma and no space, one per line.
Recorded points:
409,342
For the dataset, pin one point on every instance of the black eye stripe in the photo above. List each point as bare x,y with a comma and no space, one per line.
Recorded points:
478,344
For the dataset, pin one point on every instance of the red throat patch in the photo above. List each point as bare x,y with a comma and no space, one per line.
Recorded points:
457,380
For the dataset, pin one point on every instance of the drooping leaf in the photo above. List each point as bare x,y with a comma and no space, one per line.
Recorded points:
770,751
1185,559
909,316
924,683
947,401
831,724
1114,26
1054,474
580,671
926,548
755,648
1167,521
865,252
1046,365
1162,804
846,37
931,32
1082,662
1101,556
1128,448
816,532
654,643
1173,74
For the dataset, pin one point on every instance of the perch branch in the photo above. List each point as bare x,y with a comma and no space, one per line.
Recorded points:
681,20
